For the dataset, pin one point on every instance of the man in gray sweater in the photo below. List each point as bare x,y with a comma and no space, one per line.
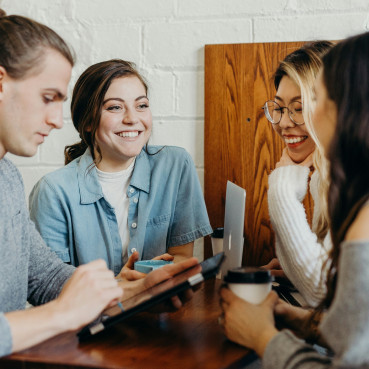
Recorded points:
35,68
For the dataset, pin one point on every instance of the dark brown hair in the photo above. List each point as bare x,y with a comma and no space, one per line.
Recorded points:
23,42
87,102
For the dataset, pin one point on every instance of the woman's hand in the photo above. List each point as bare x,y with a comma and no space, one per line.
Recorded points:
159,275
292,317
286,160
166,257
128,273
87,293
275,268
248,324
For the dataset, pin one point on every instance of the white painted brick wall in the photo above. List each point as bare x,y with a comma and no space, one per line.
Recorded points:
166,39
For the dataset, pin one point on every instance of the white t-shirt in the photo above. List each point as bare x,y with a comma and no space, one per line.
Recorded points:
114,186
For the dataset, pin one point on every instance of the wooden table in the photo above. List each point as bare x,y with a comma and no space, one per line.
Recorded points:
189,338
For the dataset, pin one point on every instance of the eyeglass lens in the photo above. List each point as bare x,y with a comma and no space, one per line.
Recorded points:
274,111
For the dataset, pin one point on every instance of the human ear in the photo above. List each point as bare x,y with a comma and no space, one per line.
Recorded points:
3,75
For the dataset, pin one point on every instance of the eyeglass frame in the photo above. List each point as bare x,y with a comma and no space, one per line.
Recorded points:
282,112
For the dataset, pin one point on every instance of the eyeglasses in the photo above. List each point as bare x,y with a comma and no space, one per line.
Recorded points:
273,111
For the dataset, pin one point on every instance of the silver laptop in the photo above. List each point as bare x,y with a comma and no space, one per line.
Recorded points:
234,219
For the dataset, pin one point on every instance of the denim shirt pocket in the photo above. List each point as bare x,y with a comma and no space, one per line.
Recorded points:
158,221
156,236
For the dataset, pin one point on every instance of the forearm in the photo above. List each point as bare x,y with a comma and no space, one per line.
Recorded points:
181,252
32,326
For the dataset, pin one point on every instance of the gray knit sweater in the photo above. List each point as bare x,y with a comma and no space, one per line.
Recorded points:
345,327
29,270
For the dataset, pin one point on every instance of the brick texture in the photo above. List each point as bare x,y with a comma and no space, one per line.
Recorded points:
166,39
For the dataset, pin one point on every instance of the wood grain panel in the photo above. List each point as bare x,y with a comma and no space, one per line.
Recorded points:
240,144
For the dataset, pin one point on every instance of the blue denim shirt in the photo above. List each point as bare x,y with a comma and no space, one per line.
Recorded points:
166,208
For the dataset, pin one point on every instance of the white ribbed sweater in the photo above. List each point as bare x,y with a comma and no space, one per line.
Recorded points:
300,254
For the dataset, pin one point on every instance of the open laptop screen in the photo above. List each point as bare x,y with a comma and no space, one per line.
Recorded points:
234,219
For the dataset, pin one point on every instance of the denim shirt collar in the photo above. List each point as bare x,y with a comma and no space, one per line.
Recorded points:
89,185
141,174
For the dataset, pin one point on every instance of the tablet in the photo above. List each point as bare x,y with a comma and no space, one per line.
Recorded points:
153,296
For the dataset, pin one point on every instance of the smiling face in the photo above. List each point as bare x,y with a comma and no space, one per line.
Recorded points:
125,124
325,114
31,107
298,141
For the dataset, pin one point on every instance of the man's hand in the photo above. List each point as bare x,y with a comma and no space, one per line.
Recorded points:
91,288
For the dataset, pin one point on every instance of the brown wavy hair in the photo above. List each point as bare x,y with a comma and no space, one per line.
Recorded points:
23,42
87,102
346,78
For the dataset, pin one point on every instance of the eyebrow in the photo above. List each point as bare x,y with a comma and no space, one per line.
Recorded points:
298,97
122,100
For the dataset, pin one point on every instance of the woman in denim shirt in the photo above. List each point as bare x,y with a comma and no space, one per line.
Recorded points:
117,195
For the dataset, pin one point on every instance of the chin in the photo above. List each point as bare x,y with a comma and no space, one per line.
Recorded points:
298,157
27,153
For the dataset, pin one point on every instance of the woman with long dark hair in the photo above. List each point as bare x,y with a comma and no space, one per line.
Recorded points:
341,322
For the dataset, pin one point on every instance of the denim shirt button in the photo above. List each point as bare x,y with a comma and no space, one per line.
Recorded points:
131,190
135,200
133,250
134,225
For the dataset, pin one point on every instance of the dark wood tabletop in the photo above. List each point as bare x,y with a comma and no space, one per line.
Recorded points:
189,338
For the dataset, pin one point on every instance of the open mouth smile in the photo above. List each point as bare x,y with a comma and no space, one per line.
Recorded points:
295,139
130,134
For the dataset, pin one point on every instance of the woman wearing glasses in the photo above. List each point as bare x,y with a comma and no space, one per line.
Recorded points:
301,250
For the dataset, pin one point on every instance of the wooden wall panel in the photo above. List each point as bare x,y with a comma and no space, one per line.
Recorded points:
240,144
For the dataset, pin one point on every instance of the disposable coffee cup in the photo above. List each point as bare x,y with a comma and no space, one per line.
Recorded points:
217,240
217,243
249,283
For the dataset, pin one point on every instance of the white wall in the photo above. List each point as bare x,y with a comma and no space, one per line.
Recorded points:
166,39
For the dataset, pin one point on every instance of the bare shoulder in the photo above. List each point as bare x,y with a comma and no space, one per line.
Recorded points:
359,229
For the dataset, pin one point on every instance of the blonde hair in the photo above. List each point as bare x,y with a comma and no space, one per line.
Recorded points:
303,66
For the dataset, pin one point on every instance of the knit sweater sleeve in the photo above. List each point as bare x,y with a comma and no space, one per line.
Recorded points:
300,254
5,336
345,327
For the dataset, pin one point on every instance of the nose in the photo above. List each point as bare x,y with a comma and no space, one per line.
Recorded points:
130,117
55,117
286,121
